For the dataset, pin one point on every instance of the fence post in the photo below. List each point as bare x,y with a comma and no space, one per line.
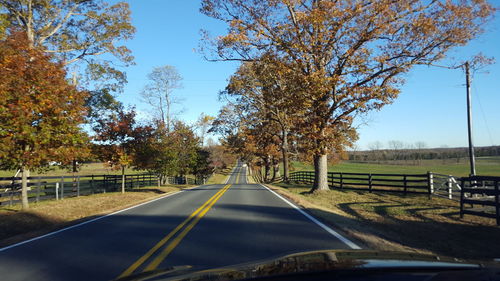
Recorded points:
449,185
62,187
370,182
92,184
462,195
38,183
341,181
405,184
497,202
57,191
430,183
78,186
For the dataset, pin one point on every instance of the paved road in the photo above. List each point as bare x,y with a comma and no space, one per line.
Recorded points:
208,226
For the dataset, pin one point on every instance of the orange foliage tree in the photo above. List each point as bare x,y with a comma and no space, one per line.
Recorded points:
40,112
351,55
119,138
267,89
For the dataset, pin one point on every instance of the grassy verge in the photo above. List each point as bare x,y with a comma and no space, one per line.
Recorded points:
220,177
384,221
17,225
250,178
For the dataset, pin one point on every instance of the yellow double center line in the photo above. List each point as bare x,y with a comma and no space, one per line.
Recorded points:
185,226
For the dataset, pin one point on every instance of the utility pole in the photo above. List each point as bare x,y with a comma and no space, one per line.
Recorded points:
469,121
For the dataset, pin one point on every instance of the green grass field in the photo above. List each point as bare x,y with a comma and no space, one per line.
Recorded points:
486,166
86,169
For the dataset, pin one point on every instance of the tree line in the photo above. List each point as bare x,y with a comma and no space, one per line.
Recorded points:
309,68
399,151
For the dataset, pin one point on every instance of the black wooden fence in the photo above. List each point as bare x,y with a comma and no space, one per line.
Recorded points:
402,183
480,196
60,187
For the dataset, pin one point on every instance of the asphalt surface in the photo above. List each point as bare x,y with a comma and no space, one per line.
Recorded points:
242,223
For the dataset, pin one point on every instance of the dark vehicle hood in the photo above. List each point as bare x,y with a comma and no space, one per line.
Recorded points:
314,261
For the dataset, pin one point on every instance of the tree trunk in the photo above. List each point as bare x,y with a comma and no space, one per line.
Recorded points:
284,151
276,171
320,173
168,112
267,168
24,188
123,179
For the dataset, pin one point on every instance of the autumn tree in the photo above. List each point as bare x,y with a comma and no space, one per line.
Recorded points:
202,167
270,90
249,135
119,136
3,26
173,153
158,93
40,112
220,158
351,54
228,124
76,32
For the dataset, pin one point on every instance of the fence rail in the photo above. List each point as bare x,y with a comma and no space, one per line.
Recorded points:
60,187
403,183
479,195
481,191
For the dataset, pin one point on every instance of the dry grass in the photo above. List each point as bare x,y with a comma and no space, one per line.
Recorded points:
17,225
220,177
250,178
394,222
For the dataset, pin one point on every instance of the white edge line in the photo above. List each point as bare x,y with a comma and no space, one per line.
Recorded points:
313,219
85,222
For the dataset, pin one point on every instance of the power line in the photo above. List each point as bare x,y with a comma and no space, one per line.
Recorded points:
476,95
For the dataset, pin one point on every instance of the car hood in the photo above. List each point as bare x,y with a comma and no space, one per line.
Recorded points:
312,261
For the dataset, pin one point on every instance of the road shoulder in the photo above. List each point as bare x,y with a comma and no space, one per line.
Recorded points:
361,234
53,216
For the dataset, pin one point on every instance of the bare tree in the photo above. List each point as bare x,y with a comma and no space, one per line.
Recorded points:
203,124
158,92
420,146
375,148
396,147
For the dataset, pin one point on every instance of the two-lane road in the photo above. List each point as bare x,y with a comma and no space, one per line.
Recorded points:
207,226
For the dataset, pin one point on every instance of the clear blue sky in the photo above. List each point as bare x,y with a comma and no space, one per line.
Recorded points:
431,107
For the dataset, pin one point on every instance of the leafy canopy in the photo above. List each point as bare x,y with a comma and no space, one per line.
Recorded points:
40,112
350,54
85,32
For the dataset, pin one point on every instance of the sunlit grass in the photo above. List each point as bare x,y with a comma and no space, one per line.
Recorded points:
219,177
